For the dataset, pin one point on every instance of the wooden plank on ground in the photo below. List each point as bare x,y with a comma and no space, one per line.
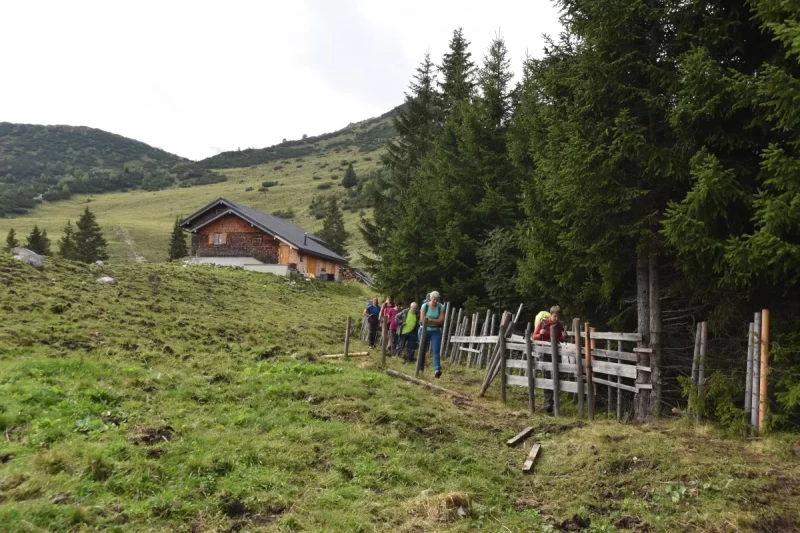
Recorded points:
337,355
532,456
520,437
424,383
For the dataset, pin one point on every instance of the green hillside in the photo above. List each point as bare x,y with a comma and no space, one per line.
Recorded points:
164,403
55,162
137,222
367,136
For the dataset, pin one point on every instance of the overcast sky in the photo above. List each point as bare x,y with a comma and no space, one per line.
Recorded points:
196,78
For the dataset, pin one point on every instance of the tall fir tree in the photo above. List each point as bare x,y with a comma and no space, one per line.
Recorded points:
349,180
396,229
11,240
333,232
38,242
66,244
177,243
90,246
457,71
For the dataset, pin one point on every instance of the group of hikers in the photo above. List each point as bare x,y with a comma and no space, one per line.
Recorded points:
405,327
405,330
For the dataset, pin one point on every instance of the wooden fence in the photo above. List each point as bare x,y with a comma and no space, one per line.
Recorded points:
561,367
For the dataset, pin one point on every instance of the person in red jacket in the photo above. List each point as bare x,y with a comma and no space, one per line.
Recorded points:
542,333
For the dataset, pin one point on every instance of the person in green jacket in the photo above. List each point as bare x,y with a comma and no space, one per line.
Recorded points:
407,321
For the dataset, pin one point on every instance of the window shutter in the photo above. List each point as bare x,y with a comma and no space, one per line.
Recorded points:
210,238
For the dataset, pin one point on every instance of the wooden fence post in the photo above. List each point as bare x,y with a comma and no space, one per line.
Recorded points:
421,348
695,361
454,346
443,343
576,330
608,387
701,366
619,390
556,379
589,372
494,364
756,387
384,339
503,377
531,370
748,384
347,335
762,400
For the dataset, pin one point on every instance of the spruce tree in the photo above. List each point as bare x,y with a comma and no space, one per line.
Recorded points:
457,72
11,240
90,246
333,232
66,245
177,243
350,179
38,242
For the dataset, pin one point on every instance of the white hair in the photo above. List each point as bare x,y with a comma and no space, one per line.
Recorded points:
434,294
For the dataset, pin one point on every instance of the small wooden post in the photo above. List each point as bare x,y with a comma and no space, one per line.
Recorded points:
756,387
527,466
384,339
748,384
701,365
531,370
576,330
421,349
454,347
589,372
502,354
762,399
556,378
348,327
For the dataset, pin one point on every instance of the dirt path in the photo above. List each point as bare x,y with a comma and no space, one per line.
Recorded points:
125,236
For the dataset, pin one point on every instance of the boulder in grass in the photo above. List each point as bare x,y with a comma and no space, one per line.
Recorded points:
99,263
27,256
106,280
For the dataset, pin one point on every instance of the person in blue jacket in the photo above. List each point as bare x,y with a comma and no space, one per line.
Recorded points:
372,312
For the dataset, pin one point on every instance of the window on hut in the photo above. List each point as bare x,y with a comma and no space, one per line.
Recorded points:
218,238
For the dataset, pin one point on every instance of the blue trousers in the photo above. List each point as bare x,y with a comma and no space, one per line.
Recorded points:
434,340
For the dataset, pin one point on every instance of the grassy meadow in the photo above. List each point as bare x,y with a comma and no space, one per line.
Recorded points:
138,223
193,399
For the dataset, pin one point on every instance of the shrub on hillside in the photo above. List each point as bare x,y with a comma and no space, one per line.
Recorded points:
287,214
324,186
268,184
277,168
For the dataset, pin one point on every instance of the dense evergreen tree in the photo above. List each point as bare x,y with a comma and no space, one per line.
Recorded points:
90,246
66,245
38,241
402,252
177,242
333,232
11,240
350,180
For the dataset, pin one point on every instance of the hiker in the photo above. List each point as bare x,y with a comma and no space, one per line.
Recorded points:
434,312
407,321
372,312
388,303
390,314
542,333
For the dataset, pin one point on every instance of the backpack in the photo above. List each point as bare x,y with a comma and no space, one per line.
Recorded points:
400,319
